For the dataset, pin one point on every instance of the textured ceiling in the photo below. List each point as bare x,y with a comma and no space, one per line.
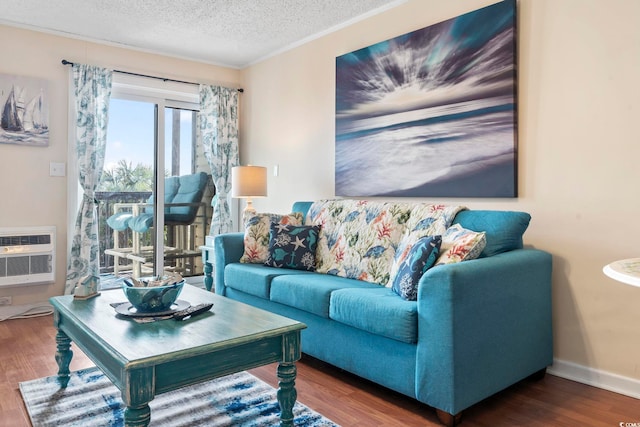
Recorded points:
232,33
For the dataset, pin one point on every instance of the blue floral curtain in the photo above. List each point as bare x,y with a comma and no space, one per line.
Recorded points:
92,94
218,125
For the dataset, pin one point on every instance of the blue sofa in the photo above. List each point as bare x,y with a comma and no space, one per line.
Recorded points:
477,327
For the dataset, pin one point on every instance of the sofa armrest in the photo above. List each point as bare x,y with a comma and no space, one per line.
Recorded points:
229,248
483,325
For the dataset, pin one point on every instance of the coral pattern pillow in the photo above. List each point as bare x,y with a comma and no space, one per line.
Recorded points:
425,220
359,239
420,258
460,244
256,234
293,246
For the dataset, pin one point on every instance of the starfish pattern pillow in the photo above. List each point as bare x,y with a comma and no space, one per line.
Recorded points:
292,246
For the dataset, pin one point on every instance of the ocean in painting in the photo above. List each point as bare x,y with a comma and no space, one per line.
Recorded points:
39,138
432,112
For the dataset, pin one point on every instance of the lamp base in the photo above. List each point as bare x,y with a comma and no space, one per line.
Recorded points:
248,212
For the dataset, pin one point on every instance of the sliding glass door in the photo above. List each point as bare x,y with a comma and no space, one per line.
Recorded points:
155,215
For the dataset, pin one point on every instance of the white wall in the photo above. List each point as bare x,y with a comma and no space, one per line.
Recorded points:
30,197
579,141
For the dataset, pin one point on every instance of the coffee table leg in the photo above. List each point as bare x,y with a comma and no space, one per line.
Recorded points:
287,394
137,416
63,354
139,390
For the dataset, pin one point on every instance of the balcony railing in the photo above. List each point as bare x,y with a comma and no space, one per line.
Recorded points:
106,200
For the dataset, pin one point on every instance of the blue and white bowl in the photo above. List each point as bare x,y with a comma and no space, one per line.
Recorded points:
150,299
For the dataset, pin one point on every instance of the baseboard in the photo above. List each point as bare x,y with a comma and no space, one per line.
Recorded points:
25,311
595,377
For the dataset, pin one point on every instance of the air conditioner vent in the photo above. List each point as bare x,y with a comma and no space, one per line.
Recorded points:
34,239
27,255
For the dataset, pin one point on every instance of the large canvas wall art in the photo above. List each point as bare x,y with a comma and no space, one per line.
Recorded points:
431,113
24,111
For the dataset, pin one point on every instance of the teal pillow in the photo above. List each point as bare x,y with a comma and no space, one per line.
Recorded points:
141,223
119,221
293,246
504,229
422,255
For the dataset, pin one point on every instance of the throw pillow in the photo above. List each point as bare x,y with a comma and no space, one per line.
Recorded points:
420,257
460,244
504,228
292,246
256,234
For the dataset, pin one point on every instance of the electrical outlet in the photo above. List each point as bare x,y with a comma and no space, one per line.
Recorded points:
5,300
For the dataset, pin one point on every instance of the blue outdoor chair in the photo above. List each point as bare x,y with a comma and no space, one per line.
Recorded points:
183,202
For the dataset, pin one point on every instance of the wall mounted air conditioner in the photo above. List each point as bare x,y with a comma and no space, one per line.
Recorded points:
27,255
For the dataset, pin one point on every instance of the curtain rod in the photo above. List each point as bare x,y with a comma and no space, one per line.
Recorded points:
65,62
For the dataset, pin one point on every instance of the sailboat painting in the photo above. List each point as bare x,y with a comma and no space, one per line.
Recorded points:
24,111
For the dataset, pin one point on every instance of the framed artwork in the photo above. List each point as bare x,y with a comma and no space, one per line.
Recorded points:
24,111
431,113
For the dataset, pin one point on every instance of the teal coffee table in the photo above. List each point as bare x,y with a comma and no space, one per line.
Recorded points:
145,359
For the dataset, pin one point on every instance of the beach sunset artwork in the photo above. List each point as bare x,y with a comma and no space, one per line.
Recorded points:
431,113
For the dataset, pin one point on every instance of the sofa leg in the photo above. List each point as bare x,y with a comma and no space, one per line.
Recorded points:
537,376
448,419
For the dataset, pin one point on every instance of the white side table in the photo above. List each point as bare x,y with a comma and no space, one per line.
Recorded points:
625,271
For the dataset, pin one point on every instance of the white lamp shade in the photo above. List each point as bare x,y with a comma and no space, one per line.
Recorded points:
248,181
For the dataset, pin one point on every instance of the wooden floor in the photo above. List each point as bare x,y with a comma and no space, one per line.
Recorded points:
27,348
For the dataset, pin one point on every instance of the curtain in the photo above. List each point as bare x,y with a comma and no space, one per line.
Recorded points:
92,93
218,125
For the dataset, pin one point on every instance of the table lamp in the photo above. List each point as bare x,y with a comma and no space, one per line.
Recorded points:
248,182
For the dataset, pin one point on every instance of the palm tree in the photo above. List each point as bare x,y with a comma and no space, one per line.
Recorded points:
124,177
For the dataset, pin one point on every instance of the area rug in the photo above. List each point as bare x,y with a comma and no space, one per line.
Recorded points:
91,399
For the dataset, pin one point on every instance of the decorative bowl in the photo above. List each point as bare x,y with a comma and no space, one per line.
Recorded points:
149,299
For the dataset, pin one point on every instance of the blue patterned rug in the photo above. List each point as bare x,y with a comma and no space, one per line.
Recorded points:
91,399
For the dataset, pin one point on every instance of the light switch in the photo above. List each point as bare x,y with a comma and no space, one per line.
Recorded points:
57,169
276,170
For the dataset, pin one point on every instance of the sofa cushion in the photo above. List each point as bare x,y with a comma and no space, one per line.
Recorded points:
171,184
292,246
378,311
256,234
311,292
417,259
119,221
141,223
504,229
253,279
460,244
190,190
